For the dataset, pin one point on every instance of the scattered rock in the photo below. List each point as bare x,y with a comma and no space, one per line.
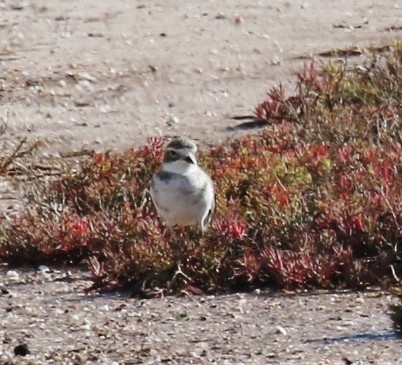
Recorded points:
173,119
13,275
280,329
153,68
43,269
21,350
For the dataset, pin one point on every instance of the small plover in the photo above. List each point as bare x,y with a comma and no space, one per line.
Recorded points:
182,192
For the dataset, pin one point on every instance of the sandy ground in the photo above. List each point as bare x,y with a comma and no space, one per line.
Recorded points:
49,312
108,74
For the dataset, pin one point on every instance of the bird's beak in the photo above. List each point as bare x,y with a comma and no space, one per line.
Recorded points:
191,159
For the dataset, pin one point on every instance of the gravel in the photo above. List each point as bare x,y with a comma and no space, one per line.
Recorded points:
49,318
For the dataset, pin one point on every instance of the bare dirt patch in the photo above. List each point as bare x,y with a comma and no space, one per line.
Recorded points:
106,75
60,324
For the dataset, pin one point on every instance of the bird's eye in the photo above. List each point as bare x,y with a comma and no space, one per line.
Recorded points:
172,153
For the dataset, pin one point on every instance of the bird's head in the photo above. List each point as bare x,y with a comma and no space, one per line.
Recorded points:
180,155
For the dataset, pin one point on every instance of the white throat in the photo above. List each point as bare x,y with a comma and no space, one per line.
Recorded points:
180,167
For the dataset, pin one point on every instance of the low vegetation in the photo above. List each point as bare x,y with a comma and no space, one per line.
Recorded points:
314,200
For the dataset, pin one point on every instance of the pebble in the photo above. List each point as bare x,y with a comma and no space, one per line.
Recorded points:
13,275
104,308
85,327
5,358
106,108
86,76
173,119
238,19
280,329
43,268
276,61
75,317
86,85
21,350
340,328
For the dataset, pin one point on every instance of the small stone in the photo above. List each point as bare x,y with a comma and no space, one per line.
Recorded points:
43,268
106,108
104,308
13,275
21,350
86,76
153,68
85,327
238,19
280,329
85,85
276,61
173,119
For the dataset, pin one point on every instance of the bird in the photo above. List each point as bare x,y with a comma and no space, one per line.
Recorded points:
182,192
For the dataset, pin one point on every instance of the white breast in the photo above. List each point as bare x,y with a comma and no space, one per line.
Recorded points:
183,199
